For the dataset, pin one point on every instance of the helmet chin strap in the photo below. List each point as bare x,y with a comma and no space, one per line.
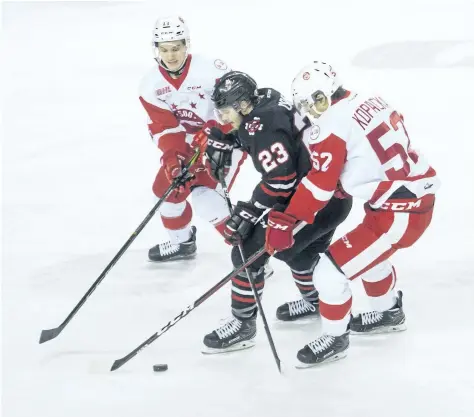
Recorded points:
177,72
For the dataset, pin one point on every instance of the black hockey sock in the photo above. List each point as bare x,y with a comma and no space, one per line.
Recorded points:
304,282
243,300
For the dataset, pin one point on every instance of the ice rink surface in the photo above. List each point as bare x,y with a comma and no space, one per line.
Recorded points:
78,167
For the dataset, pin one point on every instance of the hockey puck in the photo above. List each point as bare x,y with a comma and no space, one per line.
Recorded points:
160,368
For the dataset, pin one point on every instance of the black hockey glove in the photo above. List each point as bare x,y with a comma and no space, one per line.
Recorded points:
241,223
219,152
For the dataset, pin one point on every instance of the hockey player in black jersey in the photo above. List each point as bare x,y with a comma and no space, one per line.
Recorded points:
268,128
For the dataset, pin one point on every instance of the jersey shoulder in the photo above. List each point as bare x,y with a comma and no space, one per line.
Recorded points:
153,84
209,66
272,114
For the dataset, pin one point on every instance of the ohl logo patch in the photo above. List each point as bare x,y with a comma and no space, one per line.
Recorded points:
253,126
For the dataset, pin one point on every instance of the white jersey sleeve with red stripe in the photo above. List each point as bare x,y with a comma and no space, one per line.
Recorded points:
178,108
361,142
317,188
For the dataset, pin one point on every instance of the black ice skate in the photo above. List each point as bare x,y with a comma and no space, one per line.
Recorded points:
373,322
294,310
168,251
233,335
324,349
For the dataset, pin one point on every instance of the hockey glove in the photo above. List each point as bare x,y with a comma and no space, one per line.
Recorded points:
219,152
173,162
241,223
200,138
279,234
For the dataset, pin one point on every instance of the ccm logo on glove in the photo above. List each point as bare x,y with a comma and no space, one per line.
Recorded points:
278,226
224,146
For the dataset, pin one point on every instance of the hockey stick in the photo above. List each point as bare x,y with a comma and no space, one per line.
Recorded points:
120,362
49,334
252,281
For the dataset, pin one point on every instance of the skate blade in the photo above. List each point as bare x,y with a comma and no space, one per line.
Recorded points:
302,320
247,344
176,258
388,329
335,358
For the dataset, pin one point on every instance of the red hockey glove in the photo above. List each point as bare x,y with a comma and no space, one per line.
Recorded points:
200,138
173,162
279,235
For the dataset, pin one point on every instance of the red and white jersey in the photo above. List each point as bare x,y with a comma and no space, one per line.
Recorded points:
178,108
361,145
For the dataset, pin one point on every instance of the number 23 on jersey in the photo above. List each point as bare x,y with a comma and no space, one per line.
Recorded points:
272,157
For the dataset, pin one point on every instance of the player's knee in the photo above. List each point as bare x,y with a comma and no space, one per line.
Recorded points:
304,262
378,272
172,210
327,278
209,205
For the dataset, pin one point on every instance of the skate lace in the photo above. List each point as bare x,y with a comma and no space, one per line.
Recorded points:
371,317
167,248
321,343
229,328
299,307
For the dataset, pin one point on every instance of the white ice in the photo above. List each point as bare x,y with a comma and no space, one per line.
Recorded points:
77,172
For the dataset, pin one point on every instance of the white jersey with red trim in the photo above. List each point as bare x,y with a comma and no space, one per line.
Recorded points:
360,143
178,108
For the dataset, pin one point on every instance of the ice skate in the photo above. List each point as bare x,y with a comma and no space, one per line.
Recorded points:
374,322
233,335
294,310
168,251
324,349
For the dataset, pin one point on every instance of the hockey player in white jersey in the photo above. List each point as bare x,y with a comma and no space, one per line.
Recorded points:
176,96
359,146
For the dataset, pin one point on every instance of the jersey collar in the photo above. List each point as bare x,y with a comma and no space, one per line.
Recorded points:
177,82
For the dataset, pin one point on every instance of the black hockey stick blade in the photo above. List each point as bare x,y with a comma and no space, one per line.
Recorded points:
118,363
47,335
122,361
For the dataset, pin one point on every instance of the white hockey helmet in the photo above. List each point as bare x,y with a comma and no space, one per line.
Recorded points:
169,29
313,87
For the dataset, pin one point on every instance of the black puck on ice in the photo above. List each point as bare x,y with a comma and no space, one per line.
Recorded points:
160,367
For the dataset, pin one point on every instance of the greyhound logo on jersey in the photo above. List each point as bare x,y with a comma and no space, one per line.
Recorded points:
314,135
253,126
220,64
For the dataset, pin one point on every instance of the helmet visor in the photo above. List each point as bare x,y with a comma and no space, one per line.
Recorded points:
228,115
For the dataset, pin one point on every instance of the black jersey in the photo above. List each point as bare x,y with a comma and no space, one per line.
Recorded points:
271,134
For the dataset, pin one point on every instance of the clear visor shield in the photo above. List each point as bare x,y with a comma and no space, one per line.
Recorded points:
312,107
228,115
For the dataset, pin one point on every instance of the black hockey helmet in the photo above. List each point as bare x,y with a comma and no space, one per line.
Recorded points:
232,88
